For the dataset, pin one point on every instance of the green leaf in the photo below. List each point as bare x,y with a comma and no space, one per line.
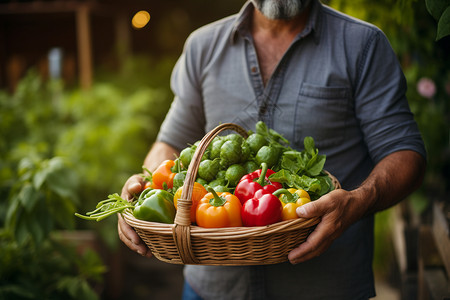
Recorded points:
283,176
15,291
28,197
62,182
326,184
292,161
39,178
13,210
437,7
25,165
316,166
307,183
262,129
21,230
36,229
69,284
310,146
444,24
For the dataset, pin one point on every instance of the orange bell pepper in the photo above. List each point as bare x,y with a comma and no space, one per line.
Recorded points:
217,210
163,174
290,200
198,192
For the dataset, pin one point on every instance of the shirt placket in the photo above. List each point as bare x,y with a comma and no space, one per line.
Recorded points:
266,97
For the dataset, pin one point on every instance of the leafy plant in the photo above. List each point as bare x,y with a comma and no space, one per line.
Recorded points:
304,170
49,270
59,146
42,200
440,10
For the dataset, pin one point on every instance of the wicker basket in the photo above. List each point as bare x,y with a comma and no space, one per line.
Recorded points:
183,243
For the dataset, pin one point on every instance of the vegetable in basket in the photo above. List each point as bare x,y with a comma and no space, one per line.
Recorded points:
230,153
217,210
290,200
163,174
263,209
155,205
105,208
198,192
257,180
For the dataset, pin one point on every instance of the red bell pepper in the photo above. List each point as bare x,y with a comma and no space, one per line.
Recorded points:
260,211
257,181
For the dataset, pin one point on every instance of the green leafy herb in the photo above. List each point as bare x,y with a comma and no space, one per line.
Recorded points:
304,170
114,204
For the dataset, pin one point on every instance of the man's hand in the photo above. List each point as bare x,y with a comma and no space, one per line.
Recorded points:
127,235
338,211
393,178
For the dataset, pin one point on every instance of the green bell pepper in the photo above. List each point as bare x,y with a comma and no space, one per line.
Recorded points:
155,205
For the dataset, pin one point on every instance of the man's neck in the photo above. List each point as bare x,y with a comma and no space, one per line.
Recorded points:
261,25
272,39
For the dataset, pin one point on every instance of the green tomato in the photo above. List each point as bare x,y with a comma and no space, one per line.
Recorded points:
208,169
235,137
230,153
234,174
178,180
215,148
267,154
245,153
221,174
221,188
256,141
217,182
251,166
186,156
201,181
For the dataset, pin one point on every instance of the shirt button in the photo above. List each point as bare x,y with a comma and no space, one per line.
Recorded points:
254,69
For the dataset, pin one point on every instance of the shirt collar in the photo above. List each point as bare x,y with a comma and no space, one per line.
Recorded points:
313,26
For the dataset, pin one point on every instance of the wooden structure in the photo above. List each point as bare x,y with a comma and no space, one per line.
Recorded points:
84,29
422,246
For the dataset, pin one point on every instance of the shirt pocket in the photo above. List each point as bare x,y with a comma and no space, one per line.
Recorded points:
322,112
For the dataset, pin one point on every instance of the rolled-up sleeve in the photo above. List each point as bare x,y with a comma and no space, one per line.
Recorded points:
380,104
185,121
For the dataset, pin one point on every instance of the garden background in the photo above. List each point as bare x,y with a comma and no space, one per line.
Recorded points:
65,146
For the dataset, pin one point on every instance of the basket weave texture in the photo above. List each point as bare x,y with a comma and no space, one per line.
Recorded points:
184,243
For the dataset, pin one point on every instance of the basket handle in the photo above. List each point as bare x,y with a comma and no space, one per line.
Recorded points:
181,229
184,203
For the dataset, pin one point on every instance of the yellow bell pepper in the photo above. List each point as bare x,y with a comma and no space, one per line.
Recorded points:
290,200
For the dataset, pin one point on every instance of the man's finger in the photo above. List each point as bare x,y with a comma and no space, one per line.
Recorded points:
131,239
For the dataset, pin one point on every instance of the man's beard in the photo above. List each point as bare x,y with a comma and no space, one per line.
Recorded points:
281,9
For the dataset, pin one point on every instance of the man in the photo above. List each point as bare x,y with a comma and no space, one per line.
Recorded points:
305,70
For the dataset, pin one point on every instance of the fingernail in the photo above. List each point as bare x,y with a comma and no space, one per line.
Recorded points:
301,211
135,187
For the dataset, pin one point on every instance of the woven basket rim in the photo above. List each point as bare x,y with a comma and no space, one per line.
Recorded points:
225,232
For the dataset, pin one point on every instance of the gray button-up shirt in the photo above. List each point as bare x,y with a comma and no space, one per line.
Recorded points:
340,83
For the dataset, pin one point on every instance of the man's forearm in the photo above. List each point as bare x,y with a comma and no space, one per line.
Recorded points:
158,153
392,179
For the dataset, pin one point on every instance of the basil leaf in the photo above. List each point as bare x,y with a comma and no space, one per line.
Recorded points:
315,166
283,176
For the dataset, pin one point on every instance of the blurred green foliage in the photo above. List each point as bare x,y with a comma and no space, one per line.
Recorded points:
440,10
61,152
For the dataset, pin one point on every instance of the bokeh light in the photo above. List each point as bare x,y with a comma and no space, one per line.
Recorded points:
140,19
